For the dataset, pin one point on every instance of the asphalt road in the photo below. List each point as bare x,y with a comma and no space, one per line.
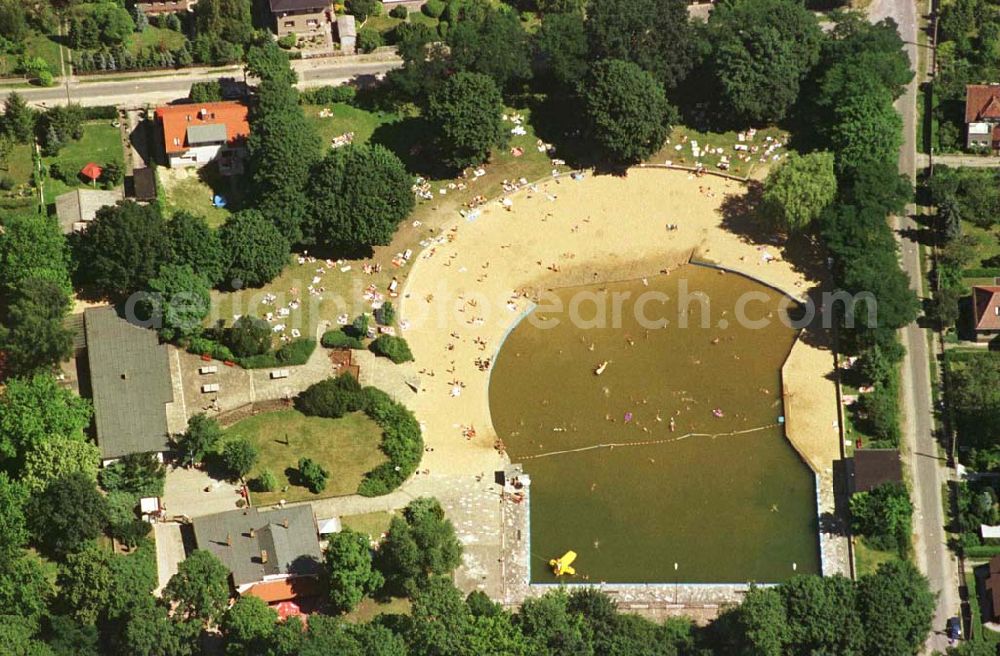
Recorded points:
164,88
927,469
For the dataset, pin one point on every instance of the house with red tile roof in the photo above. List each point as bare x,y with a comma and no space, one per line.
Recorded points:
982,116
986,311
195,134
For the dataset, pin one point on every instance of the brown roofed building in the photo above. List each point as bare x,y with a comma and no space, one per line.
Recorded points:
197,133
993,588
986,311
982,116
873,467
153,7
77,208
305,18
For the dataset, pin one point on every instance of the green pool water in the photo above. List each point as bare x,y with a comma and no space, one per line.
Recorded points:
724,508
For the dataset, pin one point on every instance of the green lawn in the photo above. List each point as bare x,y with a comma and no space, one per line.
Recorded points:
978,633
347,448
989,242
17,169
346,118
35,45
101,143
867,559
372,524
369,609
192,190
713,140
159,39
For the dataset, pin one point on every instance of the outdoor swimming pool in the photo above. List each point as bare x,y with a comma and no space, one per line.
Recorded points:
732,503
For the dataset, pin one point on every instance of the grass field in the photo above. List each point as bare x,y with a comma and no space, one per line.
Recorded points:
35,45
192,190
372,524
714,140
17,169
369,609
989,243
159,39
347,118
101,143
347,448
867,559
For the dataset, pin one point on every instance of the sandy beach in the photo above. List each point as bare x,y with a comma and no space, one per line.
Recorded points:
468,289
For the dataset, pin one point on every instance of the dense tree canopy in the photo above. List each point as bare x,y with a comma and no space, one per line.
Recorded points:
359,196
627,113
763,50
196,245
32,247
203,434
200,588
562,43
466,112
282,147
34,410
256,251
421,543
62,532
56,458
178,301
123,248
349,570
798,190
33,335
884,516
494,44
654,34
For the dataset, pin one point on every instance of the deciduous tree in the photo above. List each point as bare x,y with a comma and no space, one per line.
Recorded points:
257,251
195,244
346,211
466,112
798,190
36,409
123,248
654,34
62,532
203,434
349,570
421,543
33,335
240,457
56,458
200,587
627,114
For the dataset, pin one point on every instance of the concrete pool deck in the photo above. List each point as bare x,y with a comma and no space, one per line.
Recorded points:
468,288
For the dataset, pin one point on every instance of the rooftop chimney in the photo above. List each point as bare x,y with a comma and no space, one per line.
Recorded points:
229,539
263,556
252,532
284,522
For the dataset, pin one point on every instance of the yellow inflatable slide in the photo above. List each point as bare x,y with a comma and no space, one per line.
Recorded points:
561,566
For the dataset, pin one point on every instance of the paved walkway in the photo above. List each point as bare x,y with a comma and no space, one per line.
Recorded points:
956,161
169,552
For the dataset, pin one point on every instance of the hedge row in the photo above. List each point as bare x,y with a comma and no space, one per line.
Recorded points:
327,95
987,272
983,551
295,352
339,339
402,442
956,355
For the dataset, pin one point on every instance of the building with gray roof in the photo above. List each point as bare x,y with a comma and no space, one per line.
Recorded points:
130,384
262,545
77,208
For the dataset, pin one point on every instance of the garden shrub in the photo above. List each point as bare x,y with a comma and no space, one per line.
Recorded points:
399,11
339,339
331,398
296,352
884,516
402,443
288,41
359,327
139,474
313,476
433,8
394,348
386,315
265,481
211,348
249,336
369,39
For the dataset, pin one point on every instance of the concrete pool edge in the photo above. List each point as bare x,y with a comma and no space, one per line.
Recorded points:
700,235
